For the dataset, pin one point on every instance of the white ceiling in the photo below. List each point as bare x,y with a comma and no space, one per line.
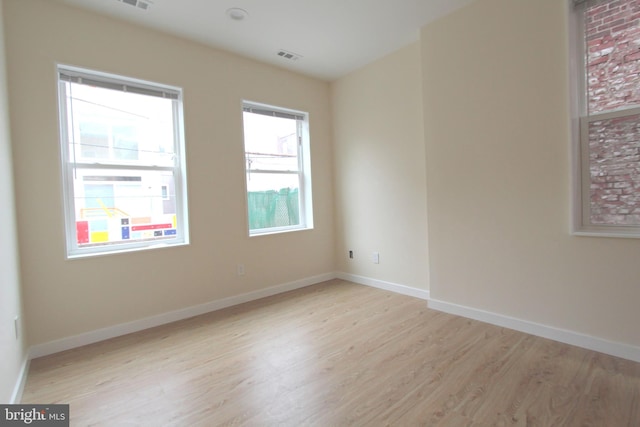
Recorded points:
333,37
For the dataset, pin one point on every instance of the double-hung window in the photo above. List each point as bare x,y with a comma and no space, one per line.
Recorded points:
123,163
278,169
608,104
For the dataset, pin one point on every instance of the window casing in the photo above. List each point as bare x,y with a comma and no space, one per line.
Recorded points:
607,104
278,169
123,163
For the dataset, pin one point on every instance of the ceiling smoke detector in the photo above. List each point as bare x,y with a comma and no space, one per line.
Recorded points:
237,14
140,4
289,55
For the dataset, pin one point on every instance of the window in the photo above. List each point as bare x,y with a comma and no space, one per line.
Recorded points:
278,169
122,151
608,40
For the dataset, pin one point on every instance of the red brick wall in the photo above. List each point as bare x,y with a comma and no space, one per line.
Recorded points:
614,149
613,57
613,82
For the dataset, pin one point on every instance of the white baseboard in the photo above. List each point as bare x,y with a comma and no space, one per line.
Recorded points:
569,337
387,286
91,337
16,396
624,351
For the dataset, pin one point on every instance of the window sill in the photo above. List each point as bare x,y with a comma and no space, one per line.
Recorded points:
635,234
272,231
82,255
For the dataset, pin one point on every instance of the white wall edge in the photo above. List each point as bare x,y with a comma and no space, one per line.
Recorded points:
589,342
91,337
16,396
387,286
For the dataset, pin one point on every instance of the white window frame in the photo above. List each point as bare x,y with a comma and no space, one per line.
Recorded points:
303,172
69,164
581,210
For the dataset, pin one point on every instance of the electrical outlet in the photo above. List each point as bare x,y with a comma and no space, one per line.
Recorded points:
376,257
351,254
240,269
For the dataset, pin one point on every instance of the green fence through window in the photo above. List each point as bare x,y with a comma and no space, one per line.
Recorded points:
272,208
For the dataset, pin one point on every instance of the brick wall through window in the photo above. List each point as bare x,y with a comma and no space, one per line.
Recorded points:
613,82
613,57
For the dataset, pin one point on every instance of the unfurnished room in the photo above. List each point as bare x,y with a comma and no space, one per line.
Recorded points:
329,213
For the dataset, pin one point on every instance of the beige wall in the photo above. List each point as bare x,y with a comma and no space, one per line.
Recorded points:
497,123
67,297
380,170
12,350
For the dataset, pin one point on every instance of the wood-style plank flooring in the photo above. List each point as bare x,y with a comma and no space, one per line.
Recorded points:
336,354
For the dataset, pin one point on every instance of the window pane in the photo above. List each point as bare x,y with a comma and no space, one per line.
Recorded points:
271,143
113,126
273,200
120,206
614,165
94,140
125,143
122,146
276,142
613,55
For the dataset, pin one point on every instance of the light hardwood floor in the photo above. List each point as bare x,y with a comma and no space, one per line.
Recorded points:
336,354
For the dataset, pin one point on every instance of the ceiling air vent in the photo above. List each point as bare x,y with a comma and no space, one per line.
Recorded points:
289,55
140,4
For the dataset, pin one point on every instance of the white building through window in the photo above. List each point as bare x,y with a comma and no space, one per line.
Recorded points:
278,169
607,46
122,151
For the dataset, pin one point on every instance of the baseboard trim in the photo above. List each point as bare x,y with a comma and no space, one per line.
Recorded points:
624,351
589,342
16,396
91,337
387,286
